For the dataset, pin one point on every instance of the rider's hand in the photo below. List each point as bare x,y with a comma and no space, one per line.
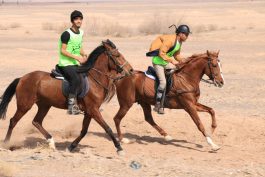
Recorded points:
174,62
85,55
81,59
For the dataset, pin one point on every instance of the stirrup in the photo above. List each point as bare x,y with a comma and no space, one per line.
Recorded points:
161,111
158,108
73,109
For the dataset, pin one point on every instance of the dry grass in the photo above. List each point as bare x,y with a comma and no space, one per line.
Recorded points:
55,27
10,26
158,24
15,25
2,27
48,26
204,28
106,26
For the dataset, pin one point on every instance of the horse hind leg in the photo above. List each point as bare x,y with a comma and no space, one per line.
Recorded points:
37,122
13,122
149,118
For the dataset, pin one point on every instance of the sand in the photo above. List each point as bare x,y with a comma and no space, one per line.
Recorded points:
28,41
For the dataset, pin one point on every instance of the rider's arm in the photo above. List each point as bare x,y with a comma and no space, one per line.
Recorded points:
66,53
65,37
166,45
82,52
177,56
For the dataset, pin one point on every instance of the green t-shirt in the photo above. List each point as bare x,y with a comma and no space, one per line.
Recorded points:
160,61
74,46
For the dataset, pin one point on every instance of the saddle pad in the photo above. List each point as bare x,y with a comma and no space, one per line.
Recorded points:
150,76
81,92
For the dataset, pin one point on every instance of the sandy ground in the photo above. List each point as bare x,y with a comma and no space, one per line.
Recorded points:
236,28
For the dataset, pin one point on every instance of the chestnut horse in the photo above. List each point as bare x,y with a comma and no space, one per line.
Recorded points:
184,93
104,65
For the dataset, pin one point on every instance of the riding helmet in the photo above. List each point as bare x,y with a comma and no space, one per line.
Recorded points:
183,29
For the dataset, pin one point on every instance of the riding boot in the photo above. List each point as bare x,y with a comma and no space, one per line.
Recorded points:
73,108
158,106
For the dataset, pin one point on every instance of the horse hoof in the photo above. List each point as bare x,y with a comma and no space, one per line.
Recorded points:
168,138
51,144
125,140
216,148
70,148
52,147
121,153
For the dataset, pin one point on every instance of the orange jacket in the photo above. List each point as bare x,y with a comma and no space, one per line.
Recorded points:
164,43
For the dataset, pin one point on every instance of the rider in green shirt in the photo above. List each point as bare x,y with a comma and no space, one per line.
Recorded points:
71,55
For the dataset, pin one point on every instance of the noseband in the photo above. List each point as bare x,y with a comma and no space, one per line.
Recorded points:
212,76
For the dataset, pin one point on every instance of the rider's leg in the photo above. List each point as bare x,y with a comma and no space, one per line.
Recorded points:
160,71
71,75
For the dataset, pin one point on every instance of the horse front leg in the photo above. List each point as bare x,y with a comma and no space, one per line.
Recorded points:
99,119
190,108
117,119
202,108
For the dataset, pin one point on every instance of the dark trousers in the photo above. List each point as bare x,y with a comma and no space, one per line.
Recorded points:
70,74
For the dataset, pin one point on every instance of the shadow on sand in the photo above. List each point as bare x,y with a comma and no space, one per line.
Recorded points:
144,140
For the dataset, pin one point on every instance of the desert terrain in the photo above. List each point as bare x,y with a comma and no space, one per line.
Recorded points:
29,36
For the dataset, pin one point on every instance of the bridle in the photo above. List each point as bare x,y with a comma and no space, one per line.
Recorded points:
119,69
212,75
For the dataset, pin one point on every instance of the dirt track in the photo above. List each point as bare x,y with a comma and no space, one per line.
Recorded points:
238,30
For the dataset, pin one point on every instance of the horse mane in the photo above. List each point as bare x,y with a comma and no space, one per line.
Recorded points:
190,59
93,56
196,55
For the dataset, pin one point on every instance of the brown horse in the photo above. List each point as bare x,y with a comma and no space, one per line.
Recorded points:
104,65
184,93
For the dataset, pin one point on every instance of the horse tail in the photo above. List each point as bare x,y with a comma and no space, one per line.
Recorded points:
6,97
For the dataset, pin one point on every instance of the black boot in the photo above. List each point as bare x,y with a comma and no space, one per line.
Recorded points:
73,108
158,106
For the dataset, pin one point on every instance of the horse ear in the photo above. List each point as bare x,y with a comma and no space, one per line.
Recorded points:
208,53
218,52
106,45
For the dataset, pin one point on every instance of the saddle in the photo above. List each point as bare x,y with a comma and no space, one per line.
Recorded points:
82,89
151,73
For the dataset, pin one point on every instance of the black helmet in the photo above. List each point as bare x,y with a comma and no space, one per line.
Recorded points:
76,14
183,29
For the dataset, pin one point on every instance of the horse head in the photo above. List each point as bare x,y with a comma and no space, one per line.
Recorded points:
118,62
214,70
